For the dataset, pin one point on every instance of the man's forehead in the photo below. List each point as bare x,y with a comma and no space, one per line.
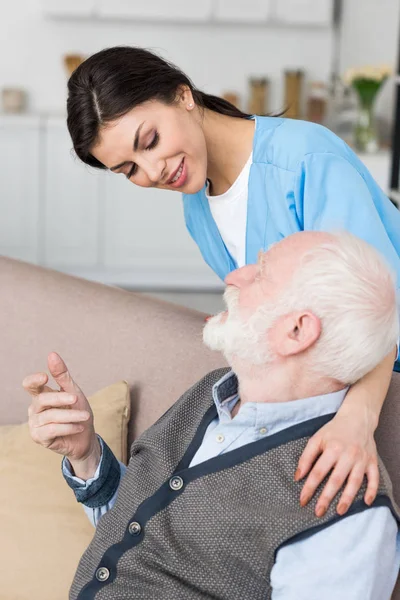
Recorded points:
263,255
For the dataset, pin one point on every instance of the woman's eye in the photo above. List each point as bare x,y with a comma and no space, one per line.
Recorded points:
152,145
154,141
131,172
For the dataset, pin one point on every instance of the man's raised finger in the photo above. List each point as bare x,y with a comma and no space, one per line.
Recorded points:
61,375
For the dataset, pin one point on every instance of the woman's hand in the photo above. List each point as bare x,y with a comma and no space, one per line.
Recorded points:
345,446
63,420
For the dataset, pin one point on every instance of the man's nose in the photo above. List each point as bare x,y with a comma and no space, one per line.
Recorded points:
242,276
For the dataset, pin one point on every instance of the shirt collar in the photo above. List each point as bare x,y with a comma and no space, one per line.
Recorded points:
271,414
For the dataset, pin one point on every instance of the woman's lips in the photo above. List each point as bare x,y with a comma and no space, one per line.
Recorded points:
183,176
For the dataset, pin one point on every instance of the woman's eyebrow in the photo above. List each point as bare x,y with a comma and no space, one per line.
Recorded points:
135,147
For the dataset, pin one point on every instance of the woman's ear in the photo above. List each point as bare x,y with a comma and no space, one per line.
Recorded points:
184,95
297,332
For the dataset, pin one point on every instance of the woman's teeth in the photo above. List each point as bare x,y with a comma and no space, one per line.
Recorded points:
179,173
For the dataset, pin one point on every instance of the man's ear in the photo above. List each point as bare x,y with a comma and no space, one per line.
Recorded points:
297,332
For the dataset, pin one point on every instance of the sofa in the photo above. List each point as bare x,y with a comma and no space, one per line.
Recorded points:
106,335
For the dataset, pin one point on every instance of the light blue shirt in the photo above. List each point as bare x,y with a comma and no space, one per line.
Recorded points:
354,559
303,177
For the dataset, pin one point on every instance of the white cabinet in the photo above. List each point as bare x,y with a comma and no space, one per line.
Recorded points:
171,10
19,187
70,203
281,12
58,212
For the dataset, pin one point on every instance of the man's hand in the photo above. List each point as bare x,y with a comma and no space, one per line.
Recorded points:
63,420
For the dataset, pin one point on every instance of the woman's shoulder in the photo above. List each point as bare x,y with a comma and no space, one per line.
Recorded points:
285,142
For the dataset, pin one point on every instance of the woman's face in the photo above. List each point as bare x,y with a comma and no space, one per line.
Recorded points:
157,145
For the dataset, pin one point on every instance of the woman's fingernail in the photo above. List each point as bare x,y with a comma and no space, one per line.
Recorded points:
207,318
341,509
297,475
303,500
320,511
369,500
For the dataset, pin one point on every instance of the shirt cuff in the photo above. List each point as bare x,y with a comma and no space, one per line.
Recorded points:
99,489
67,470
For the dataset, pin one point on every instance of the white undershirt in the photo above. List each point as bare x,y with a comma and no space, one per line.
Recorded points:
229,211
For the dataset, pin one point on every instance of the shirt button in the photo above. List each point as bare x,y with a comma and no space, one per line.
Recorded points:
102,574
263,430
220,438
134,528
176,483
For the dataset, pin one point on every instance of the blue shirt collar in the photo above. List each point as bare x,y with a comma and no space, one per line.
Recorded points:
272,414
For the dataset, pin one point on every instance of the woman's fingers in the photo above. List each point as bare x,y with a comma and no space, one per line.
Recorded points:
309,456
373,481
344,470
348,470
318,473
354,482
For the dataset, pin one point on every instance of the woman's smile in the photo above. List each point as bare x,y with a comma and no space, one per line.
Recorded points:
179,177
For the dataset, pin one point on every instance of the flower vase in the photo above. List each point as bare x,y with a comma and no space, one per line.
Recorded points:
365,132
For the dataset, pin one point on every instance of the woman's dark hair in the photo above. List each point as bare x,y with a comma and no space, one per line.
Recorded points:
110,83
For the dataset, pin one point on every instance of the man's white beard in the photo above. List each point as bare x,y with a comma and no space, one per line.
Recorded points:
236,338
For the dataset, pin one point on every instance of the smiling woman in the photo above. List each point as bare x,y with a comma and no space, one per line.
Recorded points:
247,182
125,102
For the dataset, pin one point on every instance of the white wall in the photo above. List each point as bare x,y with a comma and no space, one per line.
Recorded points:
370,32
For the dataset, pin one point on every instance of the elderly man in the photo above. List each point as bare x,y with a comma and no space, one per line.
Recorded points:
209,506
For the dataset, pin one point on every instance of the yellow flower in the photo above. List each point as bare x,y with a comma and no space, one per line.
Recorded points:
371,72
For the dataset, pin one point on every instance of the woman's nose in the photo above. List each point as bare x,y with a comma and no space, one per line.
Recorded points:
155,171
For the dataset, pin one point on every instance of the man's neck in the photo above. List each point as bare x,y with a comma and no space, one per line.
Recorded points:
259,384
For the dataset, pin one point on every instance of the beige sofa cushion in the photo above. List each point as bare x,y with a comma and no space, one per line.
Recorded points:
43,530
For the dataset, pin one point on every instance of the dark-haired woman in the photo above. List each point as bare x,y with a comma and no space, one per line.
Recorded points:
247,182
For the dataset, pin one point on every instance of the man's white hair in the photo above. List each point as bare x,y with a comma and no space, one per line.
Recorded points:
349,287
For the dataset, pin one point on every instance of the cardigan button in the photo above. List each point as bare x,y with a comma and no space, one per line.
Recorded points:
102,574
134,528
176,483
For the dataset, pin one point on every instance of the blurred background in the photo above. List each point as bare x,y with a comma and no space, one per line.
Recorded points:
263,55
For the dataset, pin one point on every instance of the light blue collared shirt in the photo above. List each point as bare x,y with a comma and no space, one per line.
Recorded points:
356,558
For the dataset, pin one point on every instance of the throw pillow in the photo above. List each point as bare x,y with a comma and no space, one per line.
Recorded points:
43,530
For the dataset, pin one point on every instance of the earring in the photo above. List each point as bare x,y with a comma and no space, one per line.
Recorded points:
190,105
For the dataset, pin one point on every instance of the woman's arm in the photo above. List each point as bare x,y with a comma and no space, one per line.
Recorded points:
346,445
335,192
